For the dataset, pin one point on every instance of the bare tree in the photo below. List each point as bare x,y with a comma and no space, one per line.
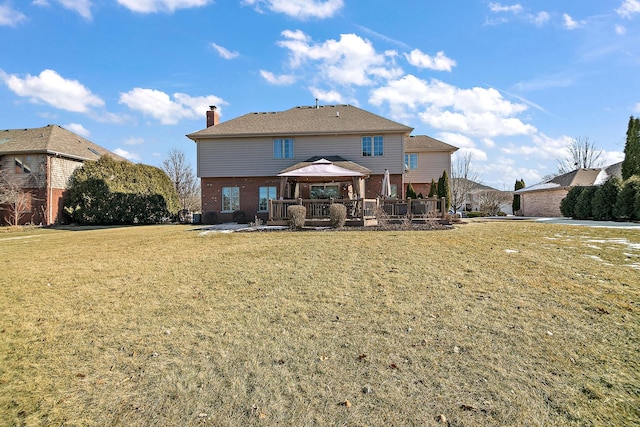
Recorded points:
582,154
491,201
183,178
464,179
13,196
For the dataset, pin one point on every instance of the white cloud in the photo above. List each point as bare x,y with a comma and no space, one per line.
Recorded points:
570,23
83,7
477,111
223,52
620,30
281,80
169,6
10,17
127,154
456,139
421,60
350,60
540,18
77,129
497,8
132,140
628,8
40,3
329,96
637,108
160,106
54,90
299,9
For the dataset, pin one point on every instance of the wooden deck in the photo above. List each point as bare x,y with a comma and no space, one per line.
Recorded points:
361,212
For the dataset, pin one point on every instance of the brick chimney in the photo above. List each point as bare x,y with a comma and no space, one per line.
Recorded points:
213,118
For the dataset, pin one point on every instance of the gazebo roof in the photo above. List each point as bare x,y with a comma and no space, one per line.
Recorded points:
322,167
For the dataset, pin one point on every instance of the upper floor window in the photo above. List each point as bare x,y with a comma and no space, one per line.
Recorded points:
283,148
230,199
372,146
22,164
410,161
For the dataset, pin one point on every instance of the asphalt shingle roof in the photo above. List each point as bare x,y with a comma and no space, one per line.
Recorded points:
327,119
426,143
51,139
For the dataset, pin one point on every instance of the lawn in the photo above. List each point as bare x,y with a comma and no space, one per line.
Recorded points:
497,323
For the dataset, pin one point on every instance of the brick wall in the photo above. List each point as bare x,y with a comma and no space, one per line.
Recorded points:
542,203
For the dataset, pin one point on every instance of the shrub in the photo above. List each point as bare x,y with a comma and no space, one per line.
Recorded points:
297,215
476,214
625,203
209,218
584,202
337,215
107,191
239,216
605,199
568,204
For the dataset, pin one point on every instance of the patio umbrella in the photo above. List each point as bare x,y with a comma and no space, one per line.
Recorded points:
386,185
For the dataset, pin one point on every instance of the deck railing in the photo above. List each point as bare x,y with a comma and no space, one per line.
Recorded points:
361,209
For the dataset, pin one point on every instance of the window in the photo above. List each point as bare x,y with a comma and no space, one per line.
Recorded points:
230,199
283,148
325,191
372,146
410,161
265,193
23,164
394,191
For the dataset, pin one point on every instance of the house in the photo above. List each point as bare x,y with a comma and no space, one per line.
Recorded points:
425,158
39,162
312,152
543,199
476,197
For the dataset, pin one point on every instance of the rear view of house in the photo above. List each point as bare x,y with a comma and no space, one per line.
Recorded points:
312,152
37,164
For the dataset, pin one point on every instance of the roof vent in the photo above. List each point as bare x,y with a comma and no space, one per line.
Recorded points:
337,113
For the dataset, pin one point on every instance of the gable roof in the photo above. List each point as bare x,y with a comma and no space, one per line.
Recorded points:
419,143
327,119
578,177
51,139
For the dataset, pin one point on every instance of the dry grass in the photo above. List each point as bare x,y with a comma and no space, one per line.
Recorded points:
489,324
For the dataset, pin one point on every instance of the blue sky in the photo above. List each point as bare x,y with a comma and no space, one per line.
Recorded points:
511,82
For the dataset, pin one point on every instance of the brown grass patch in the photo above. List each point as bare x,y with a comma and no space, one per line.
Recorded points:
487,324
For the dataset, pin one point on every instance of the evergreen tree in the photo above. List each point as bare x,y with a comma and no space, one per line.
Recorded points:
444,190
411,194
516,197
605,199
433,190
631,162
108,191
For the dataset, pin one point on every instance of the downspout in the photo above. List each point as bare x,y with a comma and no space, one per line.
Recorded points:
49,192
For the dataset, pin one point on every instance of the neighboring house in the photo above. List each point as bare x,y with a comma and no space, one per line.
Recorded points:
477,196
40,162
425,159
333,151
543,199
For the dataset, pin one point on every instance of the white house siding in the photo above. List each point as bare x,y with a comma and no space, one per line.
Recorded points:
542,203
61,171
254,156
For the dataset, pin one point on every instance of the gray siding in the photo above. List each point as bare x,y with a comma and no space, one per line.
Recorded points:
61,171
254,156
36,162
430,166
